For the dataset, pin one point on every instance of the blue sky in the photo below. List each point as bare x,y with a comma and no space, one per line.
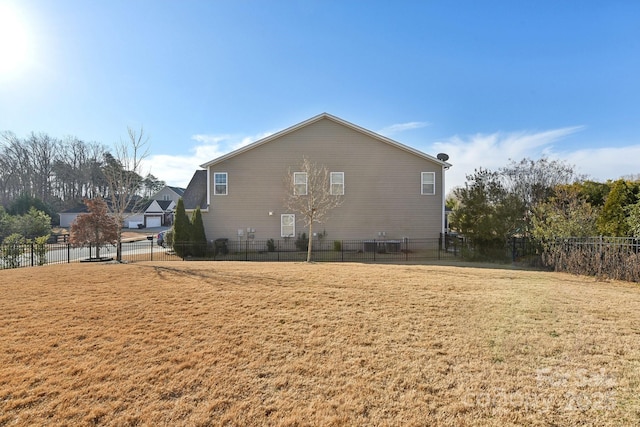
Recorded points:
484,81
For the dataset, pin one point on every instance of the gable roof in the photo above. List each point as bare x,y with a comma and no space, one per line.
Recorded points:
76,209
196,193
336,120
164,204
178,190
152,206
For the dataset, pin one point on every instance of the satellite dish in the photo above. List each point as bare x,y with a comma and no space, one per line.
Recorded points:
443,157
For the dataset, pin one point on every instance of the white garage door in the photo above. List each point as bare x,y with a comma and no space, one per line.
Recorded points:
154,221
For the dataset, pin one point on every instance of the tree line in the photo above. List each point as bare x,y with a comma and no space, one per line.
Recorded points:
60,172
541,199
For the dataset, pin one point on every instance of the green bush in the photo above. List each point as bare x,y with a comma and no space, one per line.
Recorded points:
302,242
198,237
181,231
271,245
337,245
12,249
40,249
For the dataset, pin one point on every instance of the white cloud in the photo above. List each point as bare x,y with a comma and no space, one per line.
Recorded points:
401,127
466,153
210,139
602,164
251,139
494,151
177,170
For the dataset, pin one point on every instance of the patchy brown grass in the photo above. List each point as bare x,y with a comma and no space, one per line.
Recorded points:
187,343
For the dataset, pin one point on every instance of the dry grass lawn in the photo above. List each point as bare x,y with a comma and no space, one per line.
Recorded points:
189,343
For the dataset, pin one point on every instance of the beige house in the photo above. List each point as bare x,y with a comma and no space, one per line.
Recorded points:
389,190
168,193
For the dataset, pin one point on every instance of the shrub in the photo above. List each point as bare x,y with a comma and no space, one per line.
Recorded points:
168,238
271,245
181,231
12,249
302,242
337,245
198,238
40,249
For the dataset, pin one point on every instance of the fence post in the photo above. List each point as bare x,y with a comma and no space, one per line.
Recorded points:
151,241
375,249
68,253
32,254
406,249
600,256
342,250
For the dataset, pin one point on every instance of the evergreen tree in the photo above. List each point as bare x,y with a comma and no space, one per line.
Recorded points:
181,231
198,236
613,217
34,224
487,214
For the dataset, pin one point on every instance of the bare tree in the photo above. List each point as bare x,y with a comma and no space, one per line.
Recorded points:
533,181
309,193
16,166
43,153
122,173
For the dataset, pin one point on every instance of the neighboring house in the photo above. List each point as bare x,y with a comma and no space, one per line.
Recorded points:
169,193
390,190
154,213
68,216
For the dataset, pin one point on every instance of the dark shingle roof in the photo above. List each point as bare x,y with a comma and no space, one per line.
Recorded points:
76,209
164,204
178,190
196,193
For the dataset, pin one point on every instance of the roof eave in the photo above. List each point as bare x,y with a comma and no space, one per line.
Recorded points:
335,119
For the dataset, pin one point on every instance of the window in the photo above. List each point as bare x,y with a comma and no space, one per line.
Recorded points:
220,183
165,197
337,183
300,183
287,225
428,183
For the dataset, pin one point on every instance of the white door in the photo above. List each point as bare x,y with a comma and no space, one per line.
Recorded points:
154,221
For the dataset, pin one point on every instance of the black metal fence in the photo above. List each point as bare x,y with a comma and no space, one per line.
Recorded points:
403,250
609,257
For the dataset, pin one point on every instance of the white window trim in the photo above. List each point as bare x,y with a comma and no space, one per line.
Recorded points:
293,225
226,184
423,182
331,183
296,183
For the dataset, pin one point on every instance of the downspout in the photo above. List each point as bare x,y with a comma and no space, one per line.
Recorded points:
445,167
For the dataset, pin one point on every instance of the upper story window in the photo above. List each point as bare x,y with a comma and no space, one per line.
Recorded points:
220,183
165,197
300,183
428,183
337,183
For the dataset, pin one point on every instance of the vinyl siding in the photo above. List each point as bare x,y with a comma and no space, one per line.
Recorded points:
166,191
382,187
